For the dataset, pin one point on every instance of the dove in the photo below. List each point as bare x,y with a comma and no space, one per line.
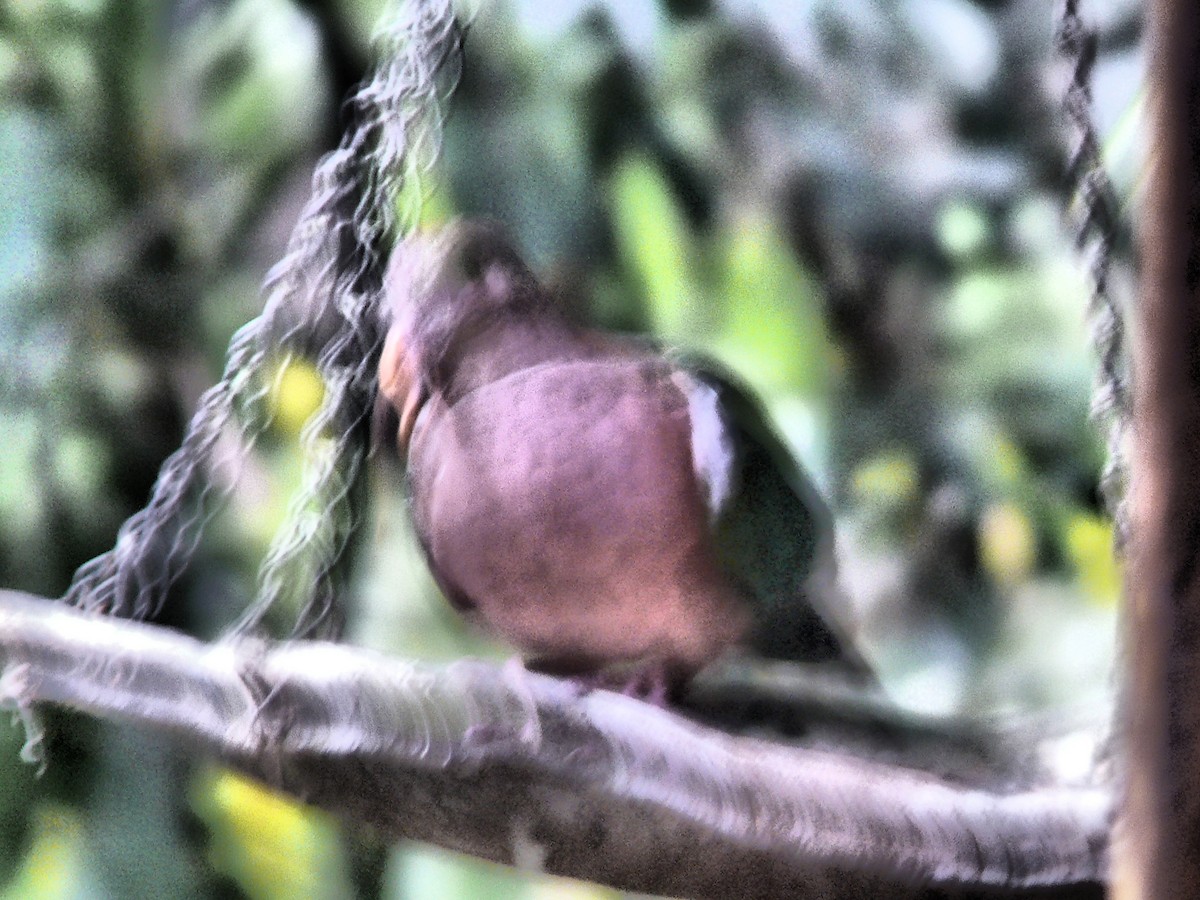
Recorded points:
609,510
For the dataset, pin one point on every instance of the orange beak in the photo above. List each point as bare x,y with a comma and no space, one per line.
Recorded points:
401,385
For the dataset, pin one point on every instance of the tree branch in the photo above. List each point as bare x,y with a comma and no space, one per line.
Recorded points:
529,770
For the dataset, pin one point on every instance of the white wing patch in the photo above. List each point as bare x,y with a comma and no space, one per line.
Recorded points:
713,452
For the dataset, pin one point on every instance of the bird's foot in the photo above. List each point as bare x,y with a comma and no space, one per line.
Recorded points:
651,683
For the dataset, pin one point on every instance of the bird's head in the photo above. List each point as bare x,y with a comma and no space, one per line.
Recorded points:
443,288
442,283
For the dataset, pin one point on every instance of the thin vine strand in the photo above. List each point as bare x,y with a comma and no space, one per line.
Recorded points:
1097,218
325,288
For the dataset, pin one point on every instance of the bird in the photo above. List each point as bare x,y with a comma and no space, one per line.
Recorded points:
613,510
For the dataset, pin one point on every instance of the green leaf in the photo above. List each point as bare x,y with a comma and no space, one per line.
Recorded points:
655,243
774,333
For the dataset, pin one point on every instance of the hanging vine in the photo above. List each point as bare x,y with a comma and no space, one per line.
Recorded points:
1096,228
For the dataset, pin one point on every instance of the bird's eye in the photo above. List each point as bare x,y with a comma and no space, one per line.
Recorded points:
470,262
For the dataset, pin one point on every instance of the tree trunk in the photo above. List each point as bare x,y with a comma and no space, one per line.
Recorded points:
1158,845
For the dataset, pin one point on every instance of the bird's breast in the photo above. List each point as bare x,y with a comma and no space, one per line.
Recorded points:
561,502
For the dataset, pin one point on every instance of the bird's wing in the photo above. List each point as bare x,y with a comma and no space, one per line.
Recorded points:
773,530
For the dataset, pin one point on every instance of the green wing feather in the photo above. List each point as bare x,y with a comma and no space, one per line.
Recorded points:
775,533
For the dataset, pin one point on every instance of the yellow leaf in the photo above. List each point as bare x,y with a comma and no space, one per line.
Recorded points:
1089,545
1007,543
890,479
296,393
271,846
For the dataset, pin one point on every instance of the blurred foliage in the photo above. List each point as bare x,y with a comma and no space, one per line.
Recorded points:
296,393
854,203
271,847
52,867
